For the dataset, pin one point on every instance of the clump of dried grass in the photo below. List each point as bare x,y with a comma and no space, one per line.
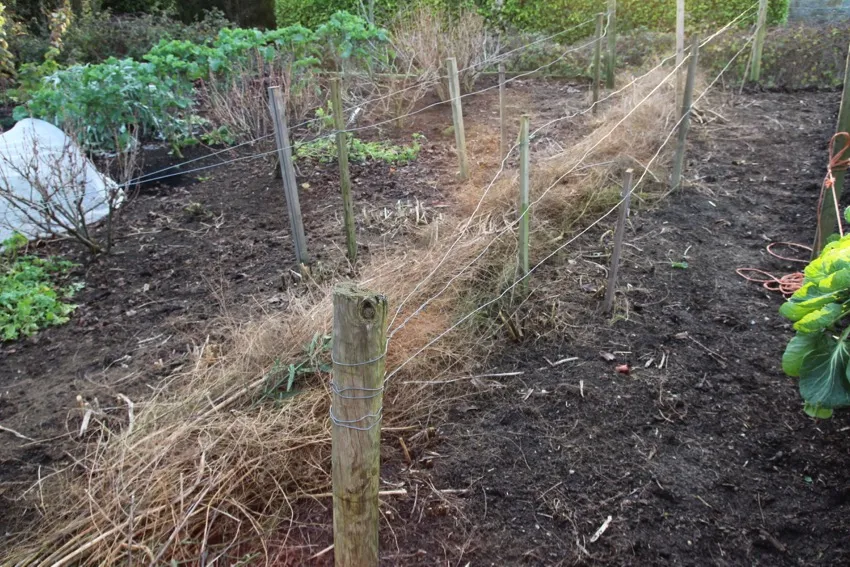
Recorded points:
424,38
211,471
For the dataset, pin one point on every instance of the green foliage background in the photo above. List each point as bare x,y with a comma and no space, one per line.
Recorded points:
550,15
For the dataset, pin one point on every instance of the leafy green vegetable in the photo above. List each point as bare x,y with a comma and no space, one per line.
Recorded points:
819,355
324,150
30,299
116,103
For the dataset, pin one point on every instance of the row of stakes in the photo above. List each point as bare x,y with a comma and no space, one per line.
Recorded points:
360,316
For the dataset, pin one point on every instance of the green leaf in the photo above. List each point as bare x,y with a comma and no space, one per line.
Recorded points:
824,375
816,411
847,214
679,265
819,319
798,347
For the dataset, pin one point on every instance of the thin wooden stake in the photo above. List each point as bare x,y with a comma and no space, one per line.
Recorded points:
618,241
684,125
503,115
287,169
828,221
359,346
457,117
524,160
344,174
758,45
597,60
612,44
680,48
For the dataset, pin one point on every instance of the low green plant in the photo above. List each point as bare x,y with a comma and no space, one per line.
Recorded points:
325,150
30,295
280,381
819,354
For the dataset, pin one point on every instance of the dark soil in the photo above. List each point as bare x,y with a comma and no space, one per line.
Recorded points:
702,454
197,248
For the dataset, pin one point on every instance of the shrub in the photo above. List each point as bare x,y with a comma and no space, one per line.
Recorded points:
95,36
114,103
30,297
423,39
550,15
795,57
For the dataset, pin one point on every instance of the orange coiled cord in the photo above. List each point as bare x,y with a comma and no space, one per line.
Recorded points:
790,283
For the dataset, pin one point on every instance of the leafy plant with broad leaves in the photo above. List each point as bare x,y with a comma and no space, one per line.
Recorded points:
30,298
819,354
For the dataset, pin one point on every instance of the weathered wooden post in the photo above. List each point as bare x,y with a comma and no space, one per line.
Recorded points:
359,348
680,47
344,174
826,216
524,213
758,45
457,117
684,125
612,44
618,241
503,118
287,169
597,60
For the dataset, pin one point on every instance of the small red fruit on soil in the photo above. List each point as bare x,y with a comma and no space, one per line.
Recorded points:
624,369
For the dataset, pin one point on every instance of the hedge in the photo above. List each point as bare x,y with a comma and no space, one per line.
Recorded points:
551,15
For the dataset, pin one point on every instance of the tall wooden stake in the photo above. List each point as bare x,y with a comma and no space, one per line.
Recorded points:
359,345
503,117
612,44
680,47
687,98
828,221
457,117
344,174
524,221
597,60
287,169
758,45
618,241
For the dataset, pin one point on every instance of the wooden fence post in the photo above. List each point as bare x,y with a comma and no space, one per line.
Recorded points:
680,47
758,45
612,44
287,169
597,60
503,118
344,174
359,346
524,221
684,125
826,215
457,117
618,241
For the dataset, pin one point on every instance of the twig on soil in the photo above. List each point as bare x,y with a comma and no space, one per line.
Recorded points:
322,552
601,529
15,433
130,416
720,360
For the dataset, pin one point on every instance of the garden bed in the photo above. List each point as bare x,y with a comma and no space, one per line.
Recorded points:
702,455
197,251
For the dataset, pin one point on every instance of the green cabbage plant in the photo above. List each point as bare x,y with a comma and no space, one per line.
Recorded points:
819,354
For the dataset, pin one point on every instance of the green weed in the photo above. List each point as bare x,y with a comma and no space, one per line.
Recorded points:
30,298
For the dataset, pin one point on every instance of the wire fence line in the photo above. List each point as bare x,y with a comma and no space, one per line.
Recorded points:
511,225
498,58
577,236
